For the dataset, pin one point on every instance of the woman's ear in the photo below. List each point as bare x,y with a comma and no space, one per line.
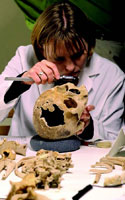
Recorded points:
91,52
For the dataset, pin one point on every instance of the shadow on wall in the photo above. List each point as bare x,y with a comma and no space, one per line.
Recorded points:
13,31
113,50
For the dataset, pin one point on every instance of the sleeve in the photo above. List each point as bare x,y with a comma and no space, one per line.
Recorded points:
5,108
15,90
111,118
14,68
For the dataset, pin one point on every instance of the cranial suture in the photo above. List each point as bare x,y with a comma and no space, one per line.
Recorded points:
57,111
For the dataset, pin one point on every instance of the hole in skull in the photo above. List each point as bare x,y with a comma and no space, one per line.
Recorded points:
79,122
74,91
54,118
66,87
6,154
70,103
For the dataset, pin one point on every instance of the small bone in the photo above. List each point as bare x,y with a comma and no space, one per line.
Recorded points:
97,178
25,189
9,165
115,180
109,163
47,166
101,171
1,165
12,145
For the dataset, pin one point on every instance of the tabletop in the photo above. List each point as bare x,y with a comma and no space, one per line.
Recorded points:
76,179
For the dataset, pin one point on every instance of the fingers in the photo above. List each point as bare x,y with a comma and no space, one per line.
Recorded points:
51,69
90,108
85,117
48,71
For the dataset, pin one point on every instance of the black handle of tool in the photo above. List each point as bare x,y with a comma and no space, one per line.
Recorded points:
82,192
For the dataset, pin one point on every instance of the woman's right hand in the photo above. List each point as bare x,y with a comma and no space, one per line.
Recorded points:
49,70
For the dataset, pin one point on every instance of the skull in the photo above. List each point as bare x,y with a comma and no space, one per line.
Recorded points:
57,111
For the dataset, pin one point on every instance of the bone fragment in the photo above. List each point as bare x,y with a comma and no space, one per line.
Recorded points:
12,145
47,166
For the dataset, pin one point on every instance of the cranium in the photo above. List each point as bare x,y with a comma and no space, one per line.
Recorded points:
57,111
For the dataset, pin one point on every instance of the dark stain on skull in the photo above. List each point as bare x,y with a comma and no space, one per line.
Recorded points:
74,91
66,87
85,96
64,133
70,103
54,118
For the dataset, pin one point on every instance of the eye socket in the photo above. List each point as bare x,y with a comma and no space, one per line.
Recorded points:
50,117
74,91
70,103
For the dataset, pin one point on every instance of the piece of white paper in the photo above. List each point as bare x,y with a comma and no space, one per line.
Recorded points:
119,145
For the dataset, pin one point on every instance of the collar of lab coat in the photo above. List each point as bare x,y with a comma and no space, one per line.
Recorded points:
90,72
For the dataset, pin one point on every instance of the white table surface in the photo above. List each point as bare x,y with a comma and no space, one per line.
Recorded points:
76,179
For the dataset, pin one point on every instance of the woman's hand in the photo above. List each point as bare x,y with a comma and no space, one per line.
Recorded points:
48,71
85,117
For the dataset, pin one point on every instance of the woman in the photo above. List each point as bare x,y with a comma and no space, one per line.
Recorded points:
63,42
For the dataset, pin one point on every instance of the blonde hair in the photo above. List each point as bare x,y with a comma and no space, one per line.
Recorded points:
62,22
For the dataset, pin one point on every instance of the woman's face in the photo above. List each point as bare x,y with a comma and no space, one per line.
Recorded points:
68,63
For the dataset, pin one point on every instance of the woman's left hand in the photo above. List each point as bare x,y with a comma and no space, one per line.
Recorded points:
85,117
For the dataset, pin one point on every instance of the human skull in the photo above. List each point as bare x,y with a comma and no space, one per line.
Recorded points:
57,111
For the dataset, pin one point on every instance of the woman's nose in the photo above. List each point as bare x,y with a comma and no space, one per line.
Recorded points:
69,66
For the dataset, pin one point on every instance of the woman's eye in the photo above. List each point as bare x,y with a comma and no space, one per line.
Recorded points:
77,55
59,59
